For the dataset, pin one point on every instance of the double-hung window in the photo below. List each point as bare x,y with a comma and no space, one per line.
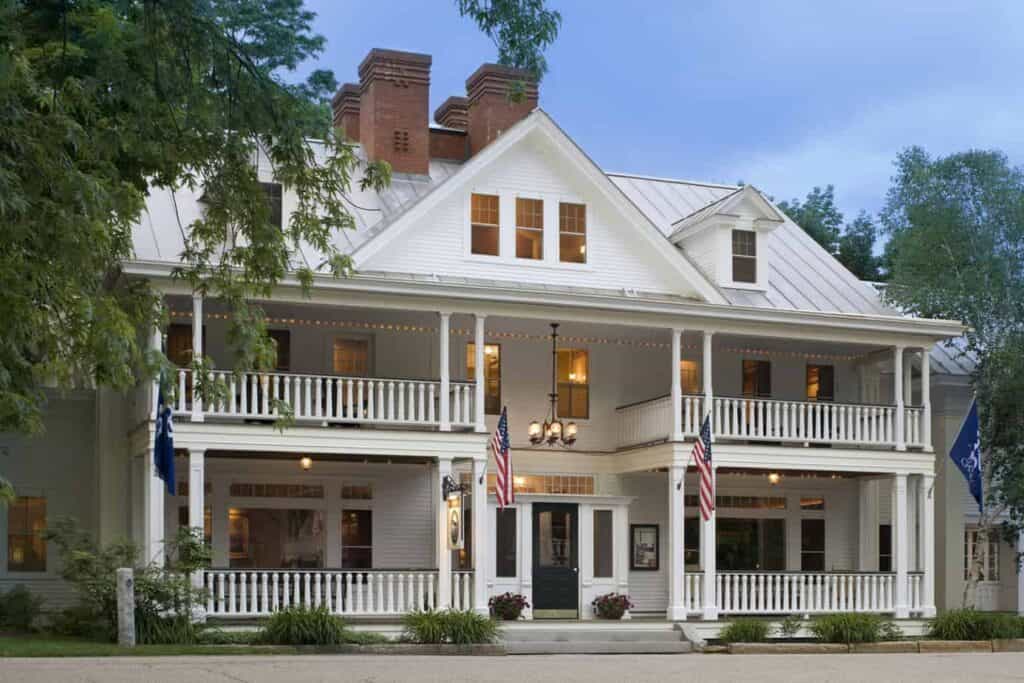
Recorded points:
572,233
272,191
573,383
26,534
744,256
492,375
484,222
529,228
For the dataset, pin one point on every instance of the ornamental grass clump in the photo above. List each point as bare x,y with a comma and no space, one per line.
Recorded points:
854,627
744,630
304,626
971,624
450,626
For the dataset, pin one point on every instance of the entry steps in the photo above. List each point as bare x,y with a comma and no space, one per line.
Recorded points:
537,637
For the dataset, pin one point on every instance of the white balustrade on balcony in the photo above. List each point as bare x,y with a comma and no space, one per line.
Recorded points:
914,433
650,421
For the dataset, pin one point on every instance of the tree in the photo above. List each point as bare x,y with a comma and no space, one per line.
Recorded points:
520,29
857,248
956,247
818,215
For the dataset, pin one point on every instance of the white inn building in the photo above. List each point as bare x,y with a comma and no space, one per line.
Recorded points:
831,413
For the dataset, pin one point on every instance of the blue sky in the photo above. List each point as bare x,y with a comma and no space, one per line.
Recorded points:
784,94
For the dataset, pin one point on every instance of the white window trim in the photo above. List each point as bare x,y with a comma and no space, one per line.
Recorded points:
970,536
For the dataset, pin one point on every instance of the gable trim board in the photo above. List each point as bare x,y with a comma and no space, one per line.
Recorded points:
539,121
698,220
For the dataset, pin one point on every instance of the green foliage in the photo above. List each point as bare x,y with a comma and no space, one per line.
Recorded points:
790,626
520,29
744,630
852,627
971,624
449,626
19,609
303,626
218,636
79,621
857,248
7,494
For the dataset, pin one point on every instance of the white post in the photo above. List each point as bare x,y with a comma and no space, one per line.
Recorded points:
480,544
677,391
153,501
445,398
197,351
1020,576
676,567
709,395
926,398
197,504
478,348
444,555
926,510
708,550
897,380
125,607
867,550
900,538
524,527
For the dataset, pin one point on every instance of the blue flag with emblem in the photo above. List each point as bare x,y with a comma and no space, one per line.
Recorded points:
966,452
163,446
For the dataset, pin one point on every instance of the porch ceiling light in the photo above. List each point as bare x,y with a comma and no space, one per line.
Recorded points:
552,432
306,463
774,478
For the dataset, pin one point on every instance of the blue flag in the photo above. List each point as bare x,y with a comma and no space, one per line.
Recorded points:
966,452
163,447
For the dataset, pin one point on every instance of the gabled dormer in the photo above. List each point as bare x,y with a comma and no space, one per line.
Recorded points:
729,238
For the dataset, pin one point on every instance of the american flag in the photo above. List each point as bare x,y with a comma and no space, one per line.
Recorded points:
504,489
702,458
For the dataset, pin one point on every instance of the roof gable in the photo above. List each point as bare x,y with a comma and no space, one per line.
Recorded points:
746,201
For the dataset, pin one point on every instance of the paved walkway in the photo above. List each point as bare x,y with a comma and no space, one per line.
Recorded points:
285,669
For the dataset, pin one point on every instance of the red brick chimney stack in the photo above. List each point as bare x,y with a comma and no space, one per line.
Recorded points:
490,110
346,110
453,113
393,111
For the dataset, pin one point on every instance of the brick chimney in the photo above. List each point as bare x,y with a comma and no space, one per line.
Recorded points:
453,113
490,111
451,142
394,109
346,110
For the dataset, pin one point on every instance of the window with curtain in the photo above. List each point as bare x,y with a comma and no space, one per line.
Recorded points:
484,224
573,383
529,228
492,375
26,528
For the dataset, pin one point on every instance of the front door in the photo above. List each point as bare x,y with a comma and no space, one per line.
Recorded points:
555,561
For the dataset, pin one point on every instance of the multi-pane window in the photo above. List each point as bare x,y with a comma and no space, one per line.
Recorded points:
357,492
563,484
572,233
484,224
691,541
604,563
529,228
272,192
689,374
986,553
573,383
821,383
885,547
282,349
26,530
351,357
757,379
505,542
265,538
741,502
812,503
812,545
179,344
492,375
357,539
744,256
750,544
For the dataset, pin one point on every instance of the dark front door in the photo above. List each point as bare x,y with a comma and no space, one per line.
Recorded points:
555,561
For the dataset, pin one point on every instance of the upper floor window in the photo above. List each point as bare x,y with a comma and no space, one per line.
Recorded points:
572,233
985,553
351,357
757,379
26,528
529,228
573,383
484,215
282,349
820,383
744,256
689,373
272,191
492,375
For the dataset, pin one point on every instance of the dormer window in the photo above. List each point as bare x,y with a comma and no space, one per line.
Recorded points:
272,191
529,228
484,221
744,256
572,233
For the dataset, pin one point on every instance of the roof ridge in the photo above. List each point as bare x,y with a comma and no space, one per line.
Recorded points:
708,206
680,181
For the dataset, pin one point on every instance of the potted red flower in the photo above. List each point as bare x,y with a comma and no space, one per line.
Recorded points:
508,606
611,605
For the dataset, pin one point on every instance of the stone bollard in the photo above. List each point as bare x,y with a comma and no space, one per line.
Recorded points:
126,607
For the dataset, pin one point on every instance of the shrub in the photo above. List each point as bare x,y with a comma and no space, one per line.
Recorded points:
790,626
508,606
611,605
744,630
853,627
970,624
19,609
303,626
217,636
449,626
79,622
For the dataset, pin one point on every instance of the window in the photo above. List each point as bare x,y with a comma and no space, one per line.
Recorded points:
812,545
742,502
356,492
757,379
691,541
812,503
179,344
987,553
689,373
351,357
484,224
529,228
272,191
751,544
26,526
565,484
245,490
573,387
492,375
357,539
263,538
744,256
604,565
207,522
885,547
572,233
505,542
283,349
820,383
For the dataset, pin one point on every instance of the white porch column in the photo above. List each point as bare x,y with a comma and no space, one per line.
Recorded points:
867,549
153,488
708,550
444,555
709,394
479,529
197,351
926,398
1020,577
926,515
900,542
676,566
478,348
196,487
677,391
444,363
897,381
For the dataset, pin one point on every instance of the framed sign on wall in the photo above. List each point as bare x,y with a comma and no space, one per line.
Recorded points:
456,525
644,547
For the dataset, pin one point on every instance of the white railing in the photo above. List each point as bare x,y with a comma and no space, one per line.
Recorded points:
693,592
462,590
805,593
649,421
804,421
914,433
327,399
354,592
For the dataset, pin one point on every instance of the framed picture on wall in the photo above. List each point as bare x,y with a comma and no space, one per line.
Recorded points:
644,544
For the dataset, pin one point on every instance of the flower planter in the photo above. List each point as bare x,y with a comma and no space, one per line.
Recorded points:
507,606
611,606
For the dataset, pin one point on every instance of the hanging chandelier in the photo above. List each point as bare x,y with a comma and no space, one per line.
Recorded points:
552,432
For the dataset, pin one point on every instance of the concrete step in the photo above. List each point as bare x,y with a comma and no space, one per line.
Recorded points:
597,647
580,635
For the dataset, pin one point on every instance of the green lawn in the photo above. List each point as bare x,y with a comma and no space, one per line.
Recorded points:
50,646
